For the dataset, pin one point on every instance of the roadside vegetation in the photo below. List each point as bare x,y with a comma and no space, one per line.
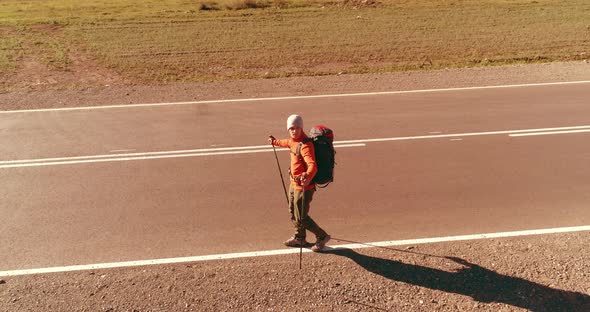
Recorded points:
197,40
9,52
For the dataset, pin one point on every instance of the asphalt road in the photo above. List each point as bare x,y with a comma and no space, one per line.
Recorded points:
76,191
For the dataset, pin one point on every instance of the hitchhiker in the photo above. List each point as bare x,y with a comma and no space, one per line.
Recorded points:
302,170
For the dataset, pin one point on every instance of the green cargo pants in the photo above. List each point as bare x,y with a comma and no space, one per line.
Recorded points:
298,208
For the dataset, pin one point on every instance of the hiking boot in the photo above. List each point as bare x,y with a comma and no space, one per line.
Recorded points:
320,244
295,242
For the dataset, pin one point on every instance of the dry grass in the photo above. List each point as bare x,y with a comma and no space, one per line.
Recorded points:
176,41
233,4
208,5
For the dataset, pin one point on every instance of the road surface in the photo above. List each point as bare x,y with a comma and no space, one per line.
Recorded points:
120,184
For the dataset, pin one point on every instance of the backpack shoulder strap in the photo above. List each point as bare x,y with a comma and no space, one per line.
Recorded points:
298,150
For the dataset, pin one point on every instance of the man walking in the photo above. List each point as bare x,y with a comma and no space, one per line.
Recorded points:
302,170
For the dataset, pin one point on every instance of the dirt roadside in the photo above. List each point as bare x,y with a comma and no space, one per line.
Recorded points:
109,90
536,273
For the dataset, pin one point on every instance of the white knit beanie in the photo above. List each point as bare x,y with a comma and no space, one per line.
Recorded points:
294,121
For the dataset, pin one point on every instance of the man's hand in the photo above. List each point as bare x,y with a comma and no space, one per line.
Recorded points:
303,180
271,140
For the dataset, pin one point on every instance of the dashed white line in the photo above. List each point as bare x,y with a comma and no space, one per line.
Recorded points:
289,251
121,150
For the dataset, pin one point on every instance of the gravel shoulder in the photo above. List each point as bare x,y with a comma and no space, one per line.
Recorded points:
536,273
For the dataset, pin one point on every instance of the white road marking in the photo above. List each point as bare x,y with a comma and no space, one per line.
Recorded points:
202,150
456,140
121,150
248,149
138,156
459,135
290,251
549,133
291,97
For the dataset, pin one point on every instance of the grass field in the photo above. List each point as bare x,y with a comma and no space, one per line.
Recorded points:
175,40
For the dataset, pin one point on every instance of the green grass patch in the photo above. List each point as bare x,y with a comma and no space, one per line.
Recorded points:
38,44
10,50
50,50
180,41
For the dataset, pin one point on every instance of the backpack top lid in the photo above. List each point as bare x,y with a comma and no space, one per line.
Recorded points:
324,131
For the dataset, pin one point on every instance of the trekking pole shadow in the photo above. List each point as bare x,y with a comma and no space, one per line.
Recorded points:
472,280
388,248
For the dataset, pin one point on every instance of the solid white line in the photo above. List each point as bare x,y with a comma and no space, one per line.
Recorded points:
213,151
93,159
290,251
291,97
457,135
202,150
549,133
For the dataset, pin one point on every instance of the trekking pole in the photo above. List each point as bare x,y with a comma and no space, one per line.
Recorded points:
280,171
301,225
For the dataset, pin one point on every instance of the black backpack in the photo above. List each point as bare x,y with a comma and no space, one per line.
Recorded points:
322,138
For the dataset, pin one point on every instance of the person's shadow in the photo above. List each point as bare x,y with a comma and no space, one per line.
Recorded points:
481,284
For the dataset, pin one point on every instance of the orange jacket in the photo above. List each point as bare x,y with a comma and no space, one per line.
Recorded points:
305,163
